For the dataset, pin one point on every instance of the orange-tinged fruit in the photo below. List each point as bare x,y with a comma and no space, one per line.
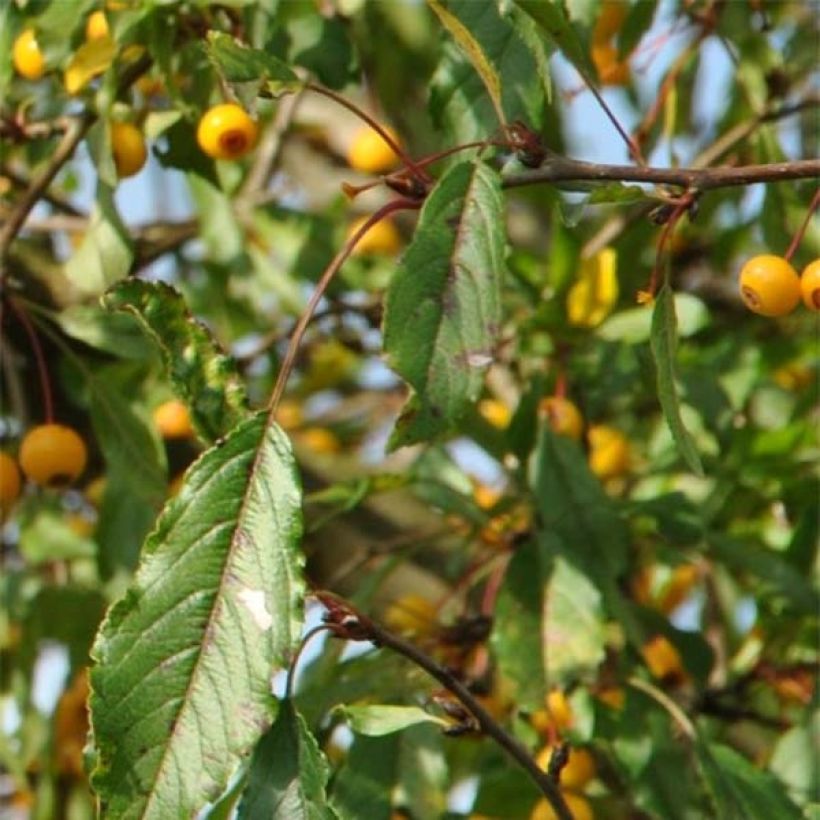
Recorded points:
677,588
95,490
53,455
10,482
96,26
26,56
609,454
611,70
793,376
320,440
381,238
609,21
559,708
370,153
226,131
173,419
412,615
612,696
579,807
577,772
662,658
495,412
563,416
128,148
769,285
810,285
486,497
289,414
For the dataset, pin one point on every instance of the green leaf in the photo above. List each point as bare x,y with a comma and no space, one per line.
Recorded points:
573,625
288,773
219,227
634,326
115,333
181,684
552,18
49,537
574,506
459,99
423,771
376,720
105,255
739,790
204,376
237,64
615,192
443,306
664,344
772,569
364,785
474,52
517,625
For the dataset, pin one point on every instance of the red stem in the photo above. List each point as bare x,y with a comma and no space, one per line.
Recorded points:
42,368
798,237
321,287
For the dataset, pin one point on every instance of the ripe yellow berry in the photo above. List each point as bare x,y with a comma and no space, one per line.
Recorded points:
53,455
173,419
769,285
663,659
9,482
226,131
578,805
563,416
609,454
383,237
96,28
810,285
27,57
368,152
495,412
128,148
579,769
319,439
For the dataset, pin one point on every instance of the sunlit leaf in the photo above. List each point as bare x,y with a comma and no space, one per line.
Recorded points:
202,374
181,685
379,719
90,60
239,63
443,306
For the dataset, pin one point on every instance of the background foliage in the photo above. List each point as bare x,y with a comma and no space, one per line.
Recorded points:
655,606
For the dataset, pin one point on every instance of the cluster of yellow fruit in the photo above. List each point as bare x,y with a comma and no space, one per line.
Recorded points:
770,286
51,455
611,69
609,451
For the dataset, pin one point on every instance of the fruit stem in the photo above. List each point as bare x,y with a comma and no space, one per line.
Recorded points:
798,237
321,287
415,169
37,349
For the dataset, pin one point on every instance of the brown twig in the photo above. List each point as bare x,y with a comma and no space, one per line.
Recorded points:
564,169
352,625
798,237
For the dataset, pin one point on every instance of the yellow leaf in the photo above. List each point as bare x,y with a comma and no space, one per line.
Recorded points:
591,299
90,60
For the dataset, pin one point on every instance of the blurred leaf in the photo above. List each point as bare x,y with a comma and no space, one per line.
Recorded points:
740,790
364,784
182,152
117,333
616,193
664,342
770,568
105,255
518,624
794,760
552,18
474,52
91,59
638,22
218,597
635,325
50,537
443,309
458,95
573,625
320,44
573,506
238,63
288,773
424,775
204,376
219,227
378,719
